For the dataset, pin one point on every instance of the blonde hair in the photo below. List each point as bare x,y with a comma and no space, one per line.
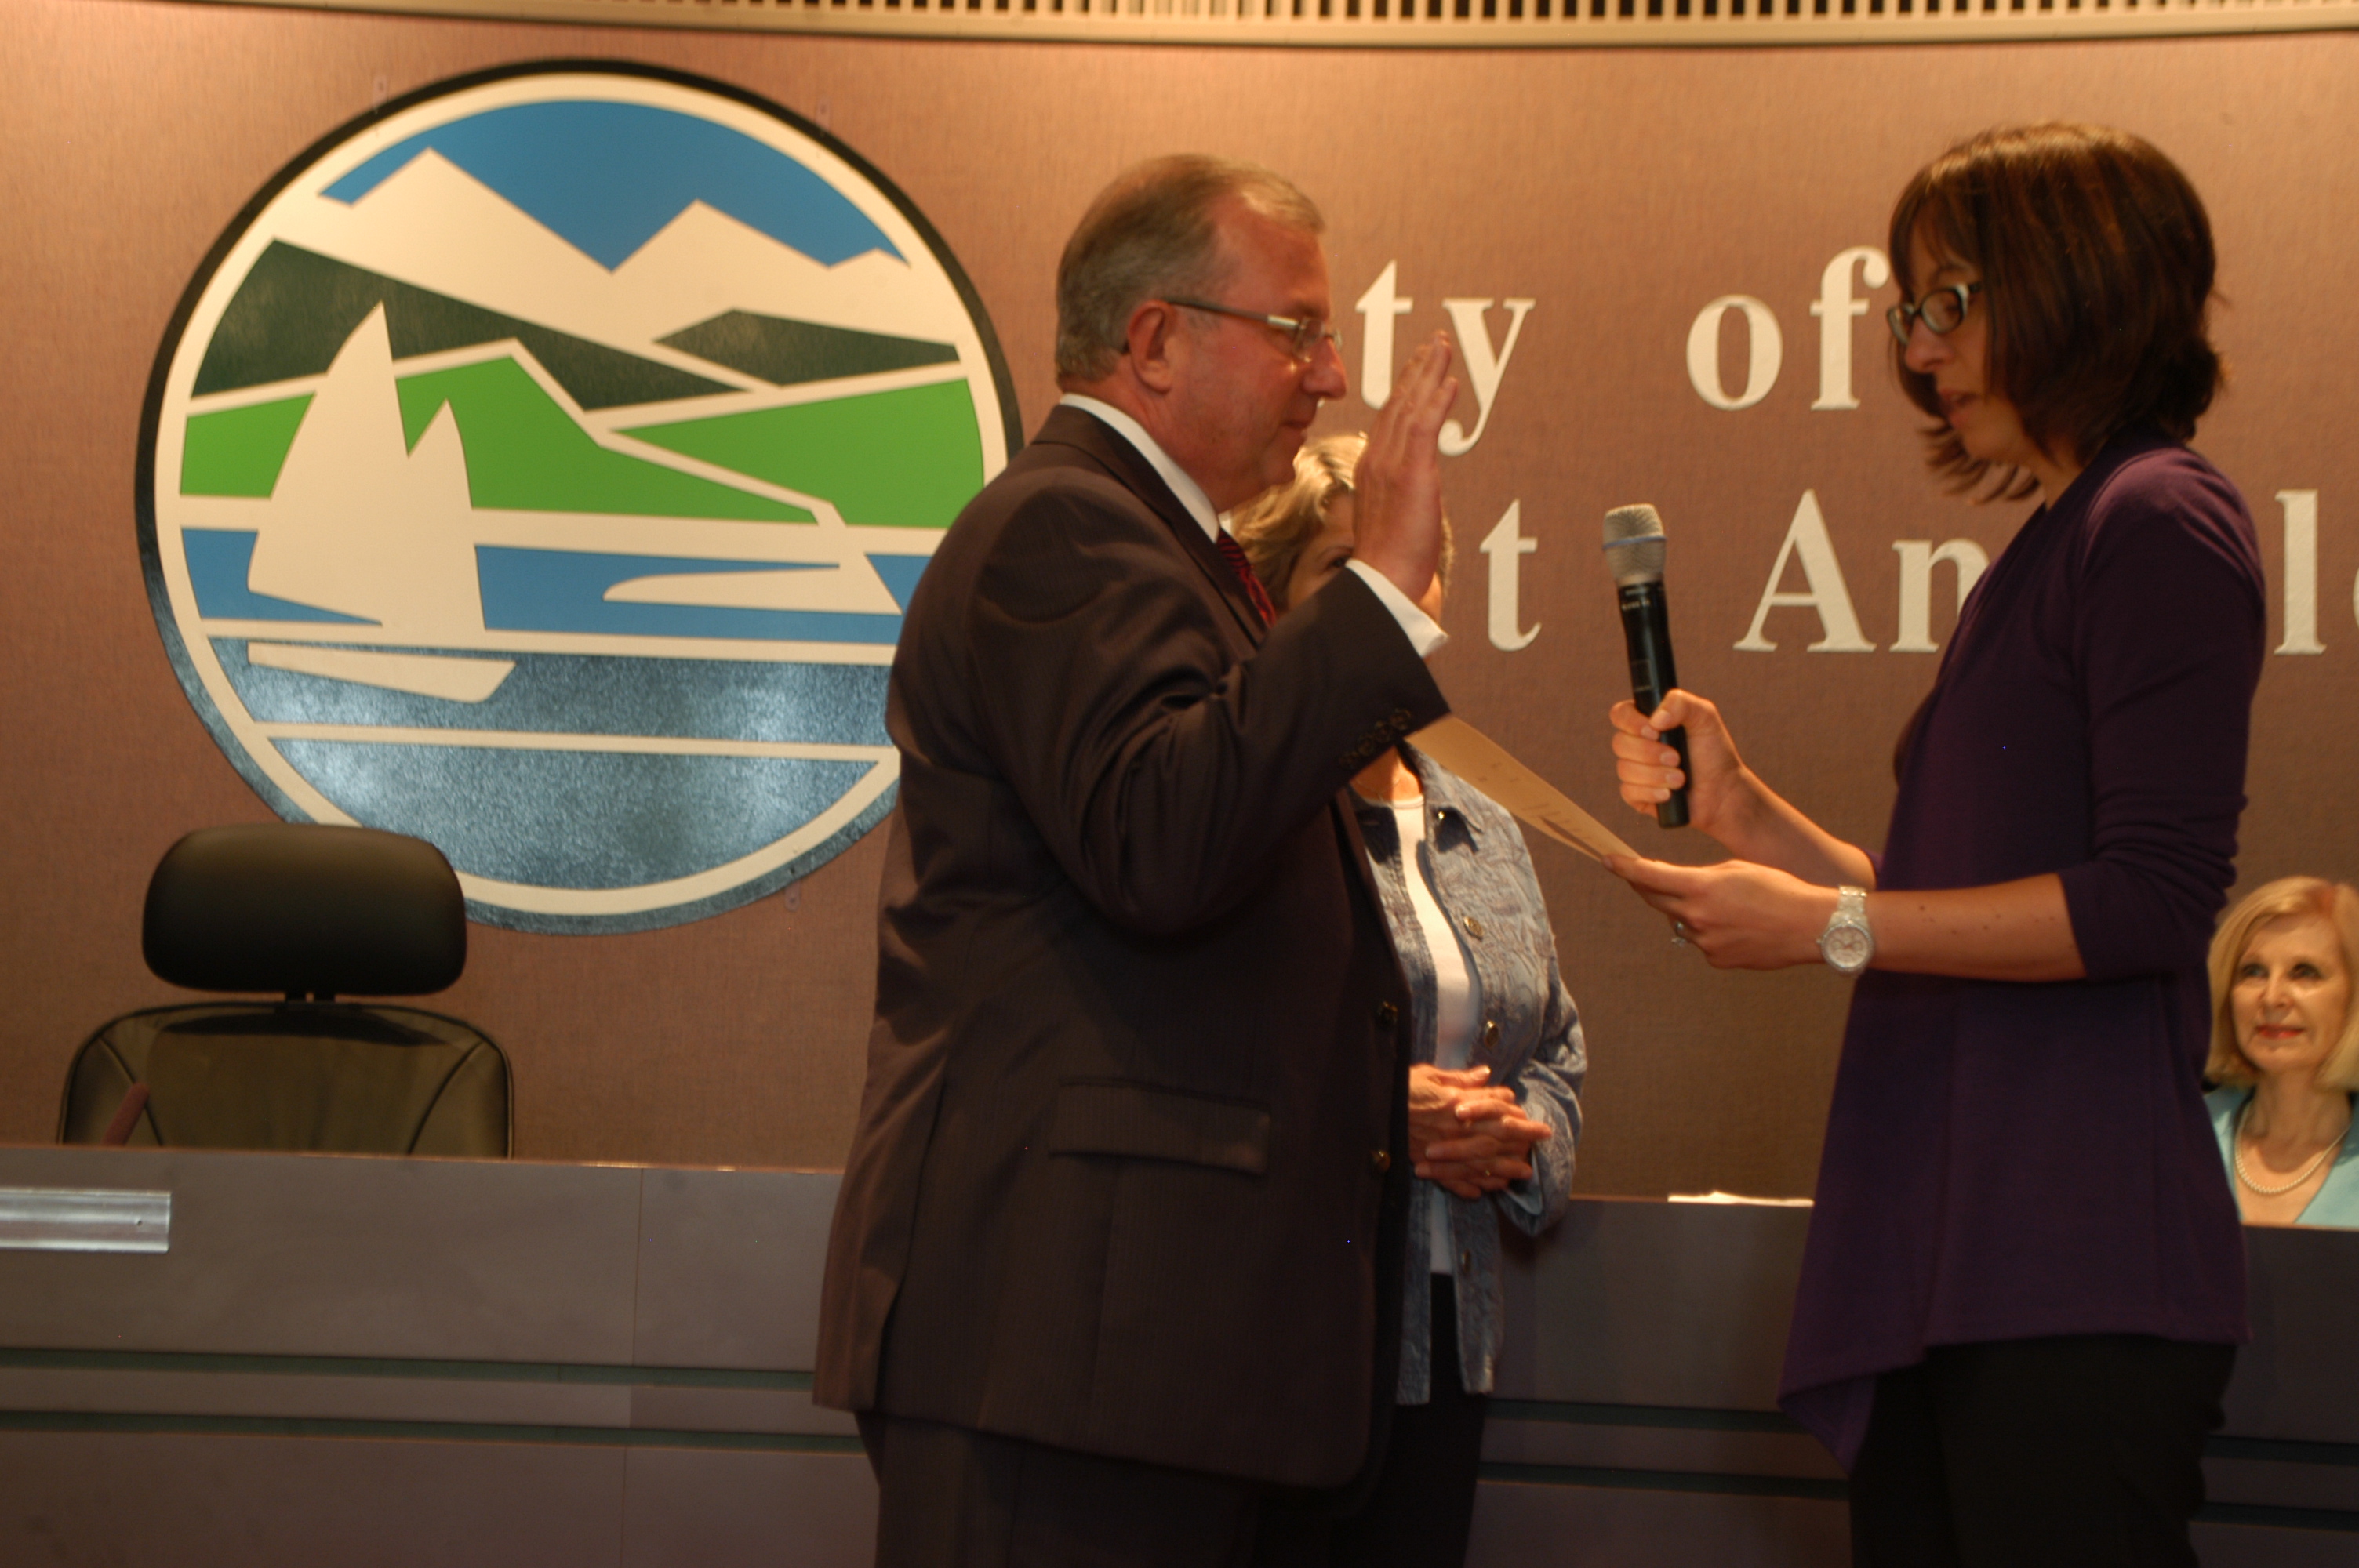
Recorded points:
2337,903
1278,525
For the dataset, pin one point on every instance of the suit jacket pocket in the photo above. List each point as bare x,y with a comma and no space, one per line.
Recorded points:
1110,1116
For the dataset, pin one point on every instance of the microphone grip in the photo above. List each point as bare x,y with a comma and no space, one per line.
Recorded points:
1646,633
1673,812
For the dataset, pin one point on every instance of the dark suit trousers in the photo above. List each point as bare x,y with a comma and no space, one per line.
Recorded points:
956,1498
951,1498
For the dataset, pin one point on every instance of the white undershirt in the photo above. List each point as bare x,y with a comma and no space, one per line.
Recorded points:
1455,999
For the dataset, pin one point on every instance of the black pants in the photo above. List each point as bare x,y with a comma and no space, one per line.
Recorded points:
952,1497
949,1496
1423,1505
2083,1451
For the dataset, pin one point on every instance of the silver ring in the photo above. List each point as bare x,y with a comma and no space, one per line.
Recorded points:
1679,933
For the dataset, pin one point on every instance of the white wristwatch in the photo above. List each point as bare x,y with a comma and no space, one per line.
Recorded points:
1847,943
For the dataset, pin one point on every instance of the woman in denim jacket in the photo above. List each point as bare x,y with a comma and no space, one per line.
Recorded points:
1494,1110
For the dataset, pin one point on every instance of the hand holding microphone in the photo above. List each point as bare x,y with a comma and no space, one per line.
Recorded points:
1766,908
1634,549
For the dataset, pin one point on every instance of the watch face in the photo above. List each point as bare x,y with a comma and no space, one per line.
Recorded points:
1847,947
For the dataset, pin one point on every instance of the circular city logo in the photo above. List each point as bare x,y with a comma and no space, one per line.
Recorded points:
541,466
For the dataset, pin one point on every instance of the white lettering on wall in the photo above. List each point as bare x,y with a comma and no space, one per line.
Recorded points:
1917,559
1380,304
1766,351
1483,367
2301,573
1836,310
1825,593
1506,546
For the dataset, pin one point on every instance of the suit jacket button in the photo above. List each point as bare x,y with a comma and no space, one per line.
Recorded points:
1380,1161
1387,1013
1490,1033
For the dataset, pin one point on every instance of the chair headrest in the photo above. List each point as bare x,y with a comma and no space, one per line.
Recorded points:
305,909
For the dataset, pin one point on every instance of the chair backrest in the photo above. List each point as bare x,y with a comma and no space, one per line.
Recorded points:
305,909
311,912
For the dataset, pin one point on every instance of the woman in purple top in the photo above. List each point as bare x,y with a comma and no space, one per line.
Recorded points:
2024,1280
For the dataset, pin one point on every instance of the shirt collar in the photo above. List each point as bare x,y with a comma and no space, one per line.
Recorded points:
1445,807
1191,494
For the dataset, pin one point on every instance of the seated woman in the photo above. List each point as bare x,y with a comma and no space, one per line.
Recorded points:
2285,1049
1498,1062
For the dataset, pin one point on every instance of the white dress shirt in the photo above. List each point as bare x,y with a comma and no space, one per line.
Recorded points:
1423,634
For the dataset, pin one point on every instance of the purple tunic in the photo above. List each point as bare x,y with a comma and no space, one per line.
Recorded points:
2007,1160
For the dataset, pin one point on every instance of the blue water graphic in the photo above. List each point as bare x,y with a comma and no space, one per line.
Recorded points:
594,693
583,820
564,590
220,560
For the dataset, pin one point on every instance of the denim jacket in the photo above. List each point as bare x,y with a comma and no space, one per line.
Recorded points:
1529,1037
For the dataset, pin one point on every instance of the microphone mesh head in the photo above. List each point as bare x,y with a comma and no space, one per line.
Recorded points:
1635,545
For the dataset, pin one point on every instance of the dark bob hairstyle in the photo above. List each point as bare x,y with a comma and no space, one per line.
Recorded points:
2097,263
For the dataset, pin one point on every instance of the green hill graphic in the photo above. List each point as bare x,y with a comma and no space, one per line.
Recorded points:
524,453
789,353
239,452
296,309
907,459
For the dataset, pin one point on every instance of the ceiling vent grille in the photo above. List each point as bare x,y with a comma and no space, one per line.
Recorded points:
1426,24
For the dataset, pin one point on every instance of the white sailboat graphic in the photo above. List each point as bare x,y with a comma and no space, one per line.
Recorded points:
364,525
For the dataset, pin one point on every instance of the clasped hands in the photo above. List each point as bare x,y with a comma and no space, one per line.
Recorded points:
1466,1134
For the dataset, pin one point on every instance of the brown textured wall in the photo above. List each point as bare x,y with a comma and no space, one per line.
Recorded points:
1620,189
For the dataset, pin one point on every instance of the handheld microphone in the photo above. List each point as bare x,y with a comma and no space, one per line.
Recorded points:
1634,550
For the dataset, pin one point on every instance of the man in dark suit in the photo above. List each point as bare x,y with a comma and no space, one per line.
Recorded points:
1123,1215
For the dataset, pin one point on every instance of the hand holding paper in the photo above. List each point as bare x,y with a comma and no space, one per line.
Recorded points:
1487,765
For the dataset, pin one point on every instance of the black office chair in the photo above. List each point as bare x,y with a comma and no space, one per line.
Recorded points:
311,912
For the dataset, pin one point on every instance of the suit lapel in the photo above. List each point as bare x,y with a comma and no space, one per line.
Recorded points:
1086,434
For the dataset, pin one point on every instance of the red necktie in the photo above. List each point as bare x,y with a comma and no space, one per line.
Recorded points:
1235,554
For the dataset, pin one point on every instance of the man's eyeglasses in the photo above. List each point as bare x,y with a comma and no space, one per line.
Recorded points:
1302,334
1940,309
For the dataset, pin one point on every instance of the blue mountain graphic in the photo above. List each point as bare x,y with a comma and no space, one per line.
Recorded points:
606,177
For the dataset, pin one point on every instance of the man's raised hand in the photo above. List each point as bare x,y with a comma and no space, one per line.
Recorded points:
1398,481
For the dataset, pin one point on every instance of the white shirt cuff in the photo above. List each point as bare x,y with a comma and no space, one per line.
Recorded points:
1424,635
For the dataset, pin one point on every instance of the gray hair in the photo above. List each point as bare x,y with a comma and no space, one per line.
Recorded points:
1151,234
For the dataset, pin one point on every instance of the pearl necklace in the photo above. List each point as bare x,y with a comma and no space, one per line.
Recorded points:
2307,1171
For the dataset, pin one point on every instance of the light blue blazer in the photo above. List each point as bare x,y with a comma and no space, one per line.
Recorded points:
1473,858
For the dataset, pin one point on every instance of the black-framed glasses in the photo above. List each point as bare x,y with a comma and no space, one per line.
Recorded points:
1940,309
1303,334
